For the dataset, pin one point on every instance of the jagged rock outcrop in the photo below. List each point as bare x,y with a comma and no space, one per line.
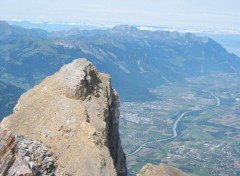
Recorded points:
74,113
36,156
20,156
7,150
161,170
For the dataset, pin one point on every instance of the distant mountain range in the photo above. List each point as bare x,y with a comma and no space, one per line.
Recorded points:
135,59
58,26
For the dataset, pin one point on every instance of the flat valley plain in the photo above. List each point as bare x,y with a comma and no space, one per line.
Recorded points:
207,139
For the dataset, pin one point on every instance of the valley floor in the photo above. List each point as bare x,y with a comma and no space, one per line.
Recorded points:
194,126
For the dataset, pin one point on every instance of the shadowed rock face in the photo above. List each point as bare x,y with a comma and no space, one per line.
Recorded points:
74,113
161,170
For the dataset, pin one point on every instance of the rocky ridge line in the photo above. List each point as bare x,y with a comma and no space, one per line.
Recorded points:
160,170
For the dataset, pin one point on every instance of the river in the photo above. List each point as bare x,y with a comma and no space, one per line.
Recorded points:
174,128
175,134
217,99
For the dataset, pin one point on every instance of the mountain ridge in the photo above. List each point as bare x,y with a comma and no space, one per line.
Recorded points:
126,53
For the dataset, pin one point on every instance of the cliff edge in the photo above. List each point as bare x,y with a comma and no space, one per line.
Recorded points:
74,114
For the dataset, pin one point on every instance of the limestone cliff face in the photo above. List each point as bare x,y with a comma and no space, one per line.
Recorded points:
74,113
161,170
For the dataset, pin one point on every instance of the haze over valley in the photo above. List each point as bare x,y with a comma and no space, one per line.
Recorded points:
179,91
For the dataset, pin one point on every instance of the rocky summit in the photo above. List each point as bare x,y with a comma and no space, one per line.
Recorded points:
66,125
161,170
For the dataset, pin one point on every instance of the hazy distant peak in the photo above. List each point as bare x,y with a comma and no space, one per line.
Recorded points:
12,31
124,28
3,23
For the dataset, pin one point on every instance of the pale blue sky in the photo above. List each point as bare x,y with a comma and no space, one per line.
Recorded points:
214,14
